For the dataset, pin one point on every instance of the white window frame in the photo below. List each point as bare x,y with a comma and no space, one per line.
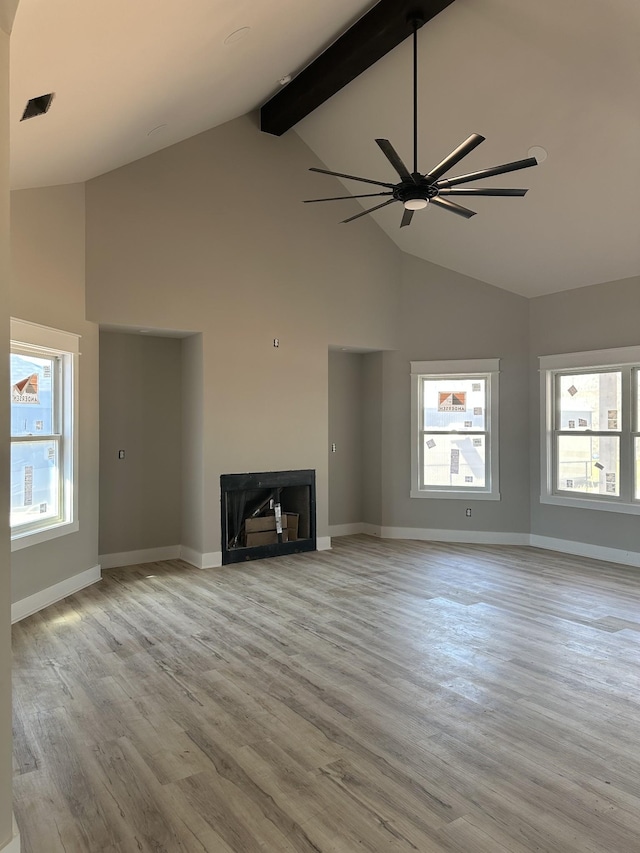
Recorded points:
626,359
480,368
41,340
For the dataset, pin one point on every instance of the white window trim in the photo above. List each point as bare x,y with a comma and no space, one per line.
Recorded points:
440,370
66,344
549,365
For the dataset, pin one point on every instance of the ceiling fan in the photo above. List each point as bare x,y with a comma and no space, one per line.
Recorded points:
416,190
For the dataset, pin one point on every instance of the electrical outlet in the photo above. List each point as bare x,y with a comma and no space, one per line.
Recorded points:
276,342
468,512
333,447
121,454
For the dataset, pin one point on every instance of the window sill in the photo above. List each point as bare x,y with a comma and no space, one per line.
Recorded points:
591,503
461,495
25,540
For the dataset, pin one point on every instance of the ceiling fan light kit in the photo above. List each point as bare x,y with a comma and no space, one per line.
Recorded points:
417,191
416,203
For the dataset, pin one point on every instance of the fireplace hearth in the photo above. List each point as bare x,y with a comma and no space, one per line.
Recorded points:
267,514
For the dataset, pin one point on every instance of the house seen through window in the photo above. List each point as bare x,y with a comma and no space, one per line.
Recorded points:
43,441
455,435
590,433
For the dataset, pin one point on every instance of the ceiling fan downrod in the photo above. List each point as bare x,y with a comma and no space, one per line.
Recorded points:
416,22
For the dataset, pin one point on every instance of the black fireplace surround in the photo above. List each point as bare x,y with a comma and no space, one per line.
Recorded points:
246,497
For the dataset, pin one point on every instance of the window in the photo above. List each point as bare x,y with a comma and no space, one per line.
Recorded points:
455,429
43,439
590,418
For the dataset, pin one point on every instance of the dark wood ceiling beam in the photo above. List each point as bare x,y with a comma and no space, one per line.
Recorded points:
368,40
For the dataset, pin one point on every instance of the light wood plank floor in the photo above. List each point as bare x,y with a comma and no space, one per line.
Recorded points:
381,697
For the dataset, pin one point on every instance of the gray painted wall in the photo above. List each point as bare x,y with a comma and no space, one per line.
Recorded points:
172,243
597,317
140,413
372,438
47,287
445,315
192,509
346,424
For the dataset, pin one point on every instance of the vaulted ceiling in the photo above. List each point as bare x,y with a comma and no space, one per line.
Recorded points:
131,78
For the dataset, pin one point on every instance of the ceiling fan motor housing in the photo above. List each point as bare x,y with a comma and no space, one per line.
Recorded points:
406,191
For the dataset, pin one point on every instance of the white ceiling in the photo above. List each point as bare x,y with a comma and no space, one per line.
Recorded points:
561,74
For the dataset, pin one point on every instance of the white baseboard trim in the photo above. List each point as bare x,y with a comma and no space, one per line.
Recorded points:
482,537
211,560
169,552
13,846
347,529
39,600
583,549
145,555
468,537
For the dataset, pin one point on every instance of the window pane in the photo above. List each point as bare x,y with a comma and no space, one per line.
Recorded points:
637,448
590,401
454,404
454,460
589,464
34,481
31,395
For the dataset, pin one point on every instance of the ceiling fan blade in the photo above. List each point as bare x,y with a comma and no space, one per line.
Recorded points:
393,157
341,197
488,173
371,209
449,162
481,191
453,207
352,177
407,216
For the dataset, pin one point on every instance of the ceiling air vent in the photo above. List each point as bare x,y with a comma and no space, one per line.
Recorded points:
37,106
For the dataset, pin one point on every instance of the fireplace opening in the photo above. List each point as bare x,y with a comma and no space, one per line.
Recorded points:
267,514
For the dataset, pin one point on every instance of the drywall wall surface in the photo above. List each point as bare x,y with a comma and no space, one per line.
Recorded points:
187,234
346,422
446,315
5,560
372,440
47,287
192,383
600,316
265,409
140,414
188,239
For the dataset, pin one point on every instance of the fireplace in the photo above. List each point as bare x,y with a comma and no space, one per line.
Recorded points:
267,514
